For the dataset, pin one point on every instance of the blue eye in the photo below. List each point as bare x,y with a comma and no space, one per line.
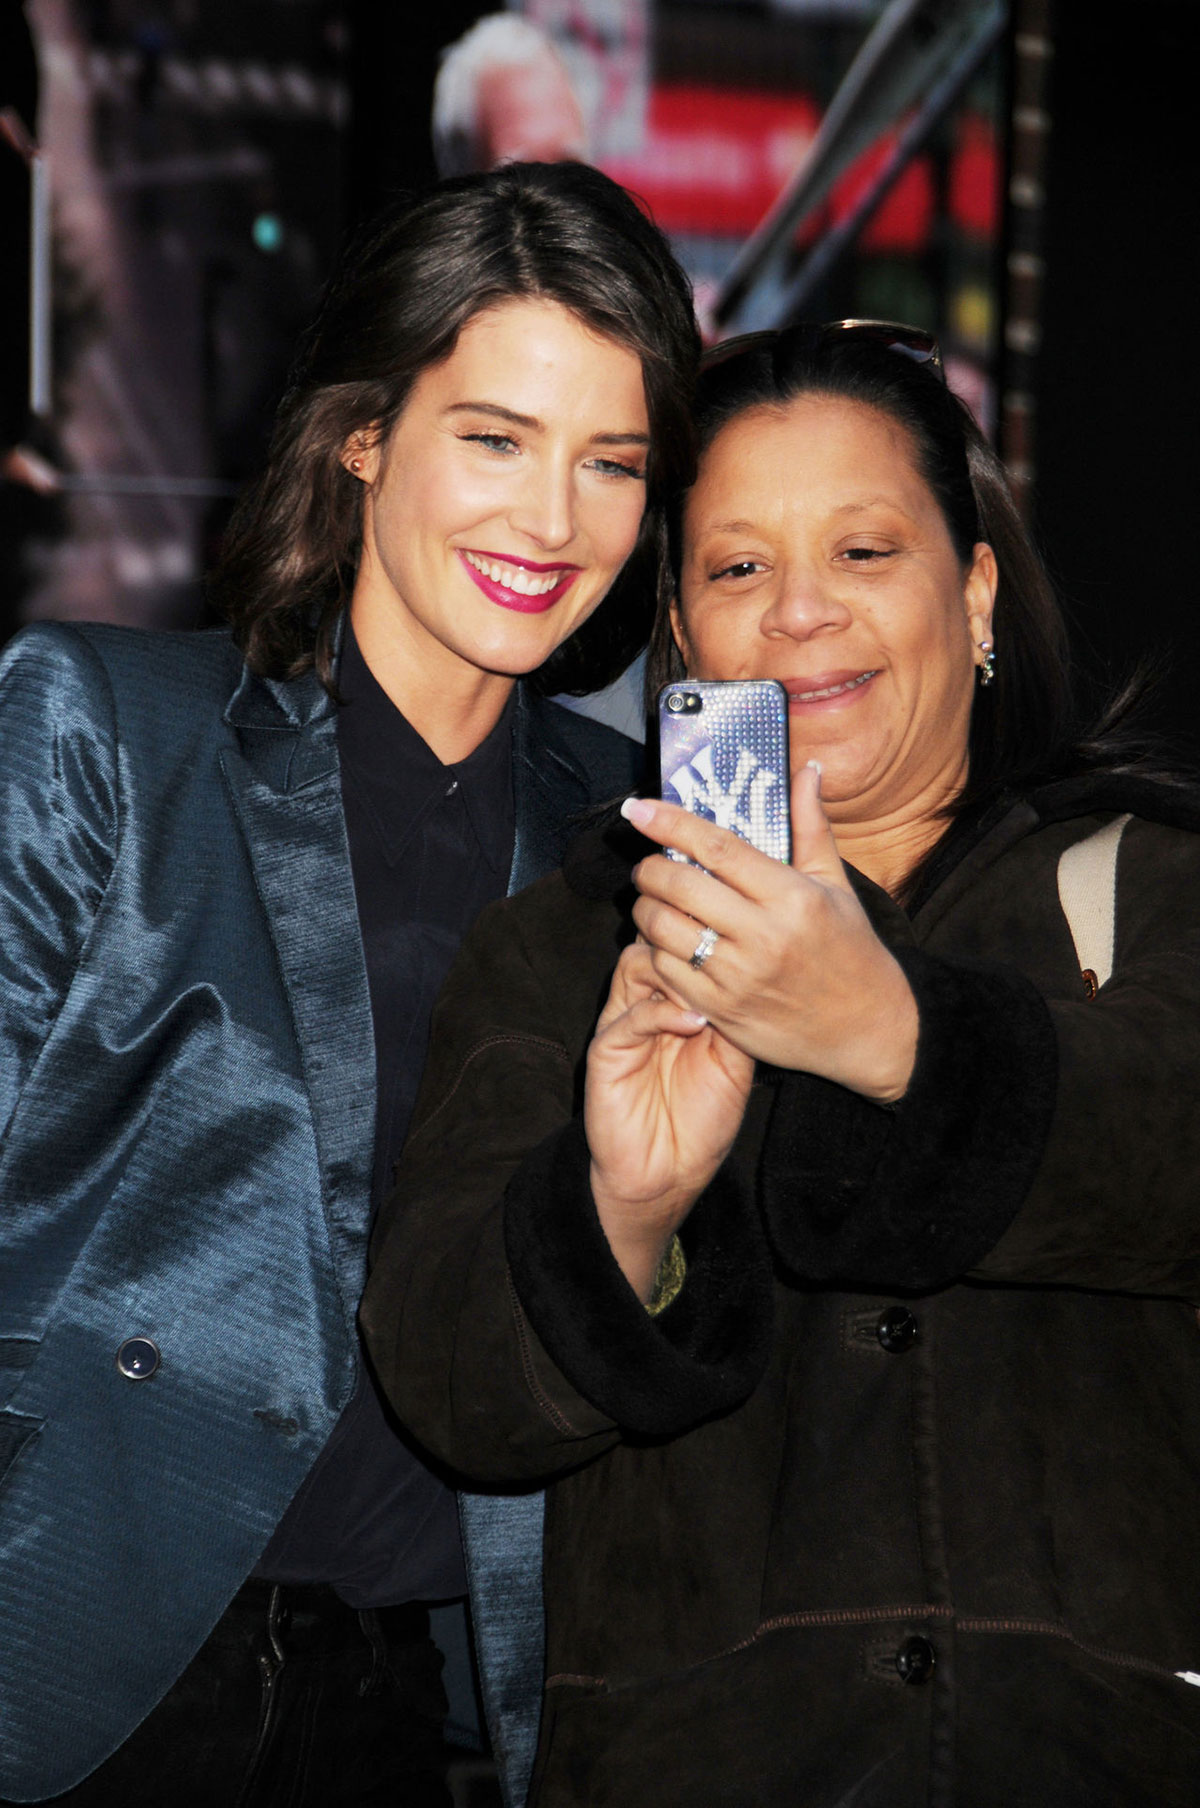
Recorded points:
493,442
616,467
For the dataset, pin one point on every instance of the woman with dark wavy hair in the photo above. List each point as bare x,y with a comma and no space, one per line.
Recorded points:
555,233
234,871
841,1273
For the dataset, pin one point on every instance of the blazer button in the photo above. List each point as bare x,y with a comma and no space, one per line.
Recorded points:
916,1660
897,1330
138,1358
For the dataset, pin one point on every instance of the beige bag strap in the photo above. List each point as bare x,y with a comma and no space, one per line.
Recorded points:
1087,891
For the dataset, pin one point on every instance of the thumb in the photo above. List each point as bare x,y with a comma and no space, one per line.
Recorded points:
633,979
814,850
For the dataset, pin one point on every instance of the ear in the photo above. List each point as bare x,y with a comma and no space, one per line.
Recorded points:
360,453
678,635
979,595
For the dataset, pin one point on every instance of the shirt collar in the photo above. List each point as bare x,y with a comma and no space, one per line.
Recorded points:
404,779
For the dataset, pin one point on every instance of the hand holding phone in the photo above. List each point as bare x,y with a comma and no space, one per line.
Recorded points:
723,755
782,960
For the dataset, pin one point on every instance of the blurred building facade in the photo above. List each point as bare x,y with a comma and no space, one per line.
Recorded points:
207,160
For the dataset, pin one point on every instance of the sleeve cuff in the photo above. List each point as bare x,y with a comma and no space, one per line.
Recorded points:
653,1375
915,1194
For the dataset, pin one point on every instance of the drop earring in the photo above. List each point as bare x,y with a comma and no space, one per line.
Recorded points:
987,665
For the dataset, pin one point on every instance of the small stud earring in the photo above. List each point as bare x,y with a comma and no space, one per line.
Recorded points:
987,665
356,465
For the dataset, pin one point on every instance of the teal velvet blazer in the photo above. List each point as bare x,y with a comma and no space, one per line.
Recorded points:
187,1103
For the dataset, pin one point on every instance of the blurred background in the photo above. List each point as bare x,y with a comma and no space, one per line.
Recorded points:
176,178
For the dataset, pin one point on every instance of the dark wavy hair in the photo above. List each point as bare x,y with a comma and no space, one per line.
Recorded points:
1031,725
547,231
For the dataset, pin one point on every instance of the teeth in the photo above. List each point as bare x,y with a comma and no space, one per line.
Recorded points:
832,690
515,577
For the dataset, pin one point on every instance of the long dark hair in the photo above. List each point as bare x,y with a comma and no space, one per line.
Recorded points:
560,232
1031,725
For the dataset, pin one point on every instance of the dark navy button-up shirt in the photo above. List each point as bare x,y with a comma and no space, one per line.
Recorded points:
430,845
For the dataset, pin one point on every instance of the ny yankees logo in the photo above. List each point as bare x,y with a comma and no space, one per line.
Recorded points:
751,783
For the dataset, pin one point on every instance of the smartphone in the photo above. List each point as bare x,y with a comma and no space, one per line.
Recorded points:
723,755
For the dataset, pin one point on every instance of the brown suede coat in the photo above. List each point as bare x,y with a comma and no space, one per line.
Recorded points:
899,1502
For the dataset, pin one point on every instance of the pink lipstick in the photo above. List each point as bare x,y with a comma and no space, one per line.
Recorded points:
519,584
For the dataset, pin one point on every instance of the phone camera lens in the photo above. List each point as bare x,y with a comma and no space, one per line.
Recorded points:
675,702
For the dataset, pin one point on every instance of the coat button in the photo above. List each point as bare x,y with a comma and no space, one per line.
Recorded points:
897,1330
138,1358
915,1660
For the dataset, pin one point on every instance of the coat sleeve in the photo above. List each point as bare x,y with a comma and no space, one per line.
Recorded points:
1044,1138
498,1321
58,805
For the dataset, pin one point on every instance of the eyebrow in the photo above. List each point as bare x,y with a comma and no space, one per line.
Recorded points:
534,425
730,527
844,508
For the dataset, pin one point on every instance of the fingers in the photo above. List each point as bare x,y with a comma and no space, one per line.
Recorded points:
729,875
671,891
814,851
670,932
632,979
648,1019
722,853
634,982
769,918
746,897
726,858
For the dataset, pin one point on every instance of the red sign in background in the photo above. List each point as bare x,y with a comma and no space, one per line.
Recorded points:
715,159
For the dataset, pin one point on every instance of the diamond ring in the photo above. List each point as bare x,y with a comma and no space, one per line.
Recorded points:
704,947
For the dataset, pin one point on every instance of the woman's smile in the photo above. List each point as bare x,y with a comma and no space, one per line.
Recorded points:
518,584
501,505
826,690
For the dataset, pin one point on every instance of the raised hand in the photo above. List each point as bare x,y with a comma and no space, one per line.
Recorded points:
664,1100
796,976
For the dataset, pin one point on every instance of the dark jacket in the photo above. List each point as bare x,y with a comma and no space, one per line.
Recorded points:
187,1103
897,1503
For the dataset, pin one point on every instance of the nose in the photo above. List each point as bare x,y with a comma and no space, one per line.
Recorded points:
544,509
805,604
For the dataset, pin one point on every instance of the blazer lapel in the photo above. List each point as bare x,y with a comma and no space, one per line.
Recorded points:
284,779
549,786
502,1534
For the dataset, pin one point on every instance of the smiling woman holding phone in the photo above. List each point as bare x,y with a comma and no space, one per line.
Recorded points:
837,1273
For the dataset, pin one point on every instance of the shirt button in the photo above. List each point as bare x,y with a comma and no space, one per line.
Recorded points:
897,1330
916,1660
138,1358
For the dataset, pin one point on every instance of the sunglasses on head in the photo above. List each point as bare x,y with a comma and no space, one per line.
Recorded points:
910,341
